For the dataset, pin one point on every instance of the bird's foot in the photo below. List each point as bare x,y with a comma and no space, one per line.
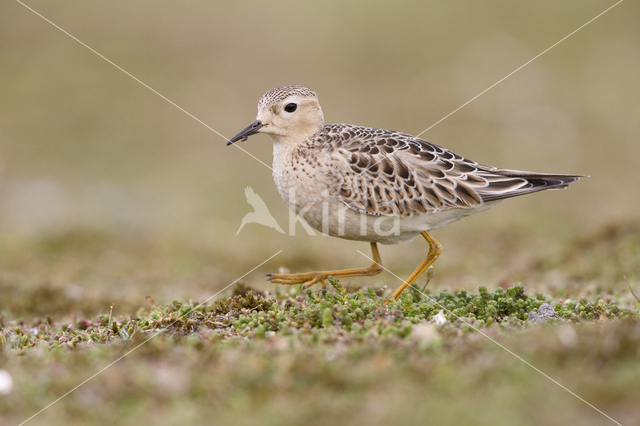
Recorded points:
308,279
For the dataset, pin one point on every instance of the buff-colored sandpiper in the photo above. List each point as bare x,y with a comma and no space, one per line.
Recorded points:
374,185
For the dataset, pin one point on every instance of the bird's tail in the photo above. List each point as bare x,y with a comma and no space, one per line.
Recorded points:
504,183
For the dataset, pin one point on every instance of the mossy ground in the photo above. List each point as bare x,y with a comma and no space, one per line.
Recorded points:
328,356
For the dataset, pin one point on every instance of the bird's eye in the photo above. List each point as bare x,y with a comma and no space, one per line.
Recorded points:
291,107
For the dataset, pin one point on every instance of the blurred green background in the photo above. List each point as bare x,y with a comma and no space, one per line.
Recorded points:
151,200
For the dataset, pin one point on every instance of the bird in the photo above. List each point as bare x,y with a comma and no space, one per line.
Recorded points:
374,185
260,214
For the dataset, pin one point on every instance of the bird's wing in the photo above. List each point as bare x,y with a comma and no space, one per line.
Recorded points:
383,172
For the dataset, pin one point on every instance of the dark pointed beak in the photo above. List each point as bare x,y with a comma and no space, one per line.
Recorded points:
251,129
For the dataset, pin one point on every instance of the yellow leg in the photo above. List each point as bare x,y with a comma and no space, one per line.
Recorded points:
434,251
312,278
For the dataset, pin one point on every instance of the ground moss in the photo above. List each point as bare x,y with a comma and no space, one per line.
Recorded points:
321,314
270,354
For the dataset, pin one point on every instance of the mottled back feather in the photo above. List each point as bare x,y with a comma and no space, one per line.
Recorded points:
382,172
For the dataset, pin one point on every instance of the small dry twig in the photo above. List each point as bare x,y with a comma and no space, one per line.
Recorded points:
630,289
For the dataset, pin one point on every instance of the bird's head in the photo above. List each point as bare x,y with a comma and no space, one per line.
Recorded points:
287,114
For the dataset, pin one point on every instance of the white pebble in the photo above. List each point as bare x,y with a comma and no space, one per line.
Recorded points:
6,382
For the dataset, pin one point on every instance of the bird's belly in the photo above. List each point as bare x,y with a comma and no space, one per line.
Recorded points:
337,220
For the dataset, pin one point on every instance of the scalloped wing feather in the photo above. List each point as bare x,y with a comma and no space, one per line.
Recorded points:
383,172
